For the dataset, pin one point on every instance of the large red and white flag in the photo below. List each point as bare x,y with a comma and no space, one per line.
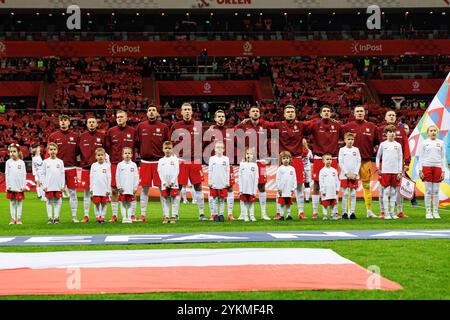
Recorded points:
138,271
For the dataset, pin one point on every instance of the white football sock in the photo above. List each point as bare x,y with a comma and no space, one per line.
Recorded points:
104,209
97,210
12,209
315,203
19,209
144,200
200,202
393,200
352,200
262,202
175,205
334,210
435,197
166,207
244,209
252,209
381,199
86,202
307,193
386,192
288,210
427,196
230,202
345,200
222,206
325,211
399,201
300,198
73,201
114,205
58,204
133,207
183,193
48,204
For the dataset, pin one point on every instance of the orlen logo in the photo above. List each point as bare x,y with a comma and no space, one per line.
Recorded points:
247,49
365,48
115,48
416,86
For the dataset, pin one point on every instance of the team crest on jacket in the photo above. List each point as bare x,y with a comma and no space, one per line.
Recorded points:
295,127
252,169
354,153
71,138
104,170
19,167
367,130
98,139
128,135
172,163
224,163
58,166
158,130
131,169
332,127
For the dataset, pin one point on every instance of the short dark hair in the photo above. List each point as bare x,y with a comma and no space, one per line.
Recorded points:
390,128
325,106
327,154
218,111
167,143
64,116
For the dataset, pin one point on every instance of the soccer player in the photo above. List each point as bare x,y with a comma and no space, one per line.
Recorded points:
286,184
350,163
248,184
432,163
53,182
16,181
89,142
219,132
329,187
117,138
127,182
36,161
326,134
366,139
149,137
402,138
259,127
190,166
307,159
67,143
218,181
100,184
390,168
168,170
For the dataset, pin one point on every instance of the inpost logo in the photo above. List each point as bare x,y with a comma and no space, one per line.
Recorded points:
365,48
115,48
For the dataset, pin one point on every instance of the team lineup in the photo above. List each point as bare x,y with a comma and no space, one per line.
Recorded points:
172,157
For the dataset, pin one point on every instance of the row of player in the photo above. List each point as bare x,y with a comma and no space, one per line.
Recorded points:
389,162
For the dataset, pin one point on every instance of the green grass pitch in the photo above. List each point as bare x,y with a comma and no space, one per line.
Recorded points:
420,266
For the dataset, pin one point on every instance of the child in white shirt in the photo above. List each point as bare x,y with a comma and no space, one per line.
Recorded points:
100,184
53,182
329,187
168,170
286,184
127,178
431,165
248,184
390,158
16,182
349,162
218,181
36,161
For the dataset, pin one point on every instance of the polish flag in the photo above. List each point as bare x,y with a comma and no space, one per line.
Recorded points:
138,271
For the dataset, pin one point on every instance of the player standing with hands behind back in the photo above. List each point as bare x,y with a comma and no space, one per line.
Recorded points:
218,181
390,157
329,187
100,184
286,184
248,184
127,179
168,171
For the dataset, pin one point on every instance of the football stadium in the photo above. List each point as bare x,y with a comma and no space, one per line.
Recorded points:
224,150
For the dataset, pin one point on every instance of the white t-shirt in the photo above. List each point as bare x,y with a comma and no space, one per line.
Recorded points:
16,175
248,178
431,153
349,162
127,177
329,183
168,170
390,155
219,172
100,178
53,177
286,180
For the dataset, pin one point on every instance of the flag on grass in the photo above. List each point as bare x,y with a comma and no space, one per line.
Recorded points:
187,270
438,114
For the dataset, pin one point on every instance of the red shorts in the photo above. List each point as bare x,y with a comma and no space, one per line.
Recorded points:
221,193
348,183
113,175
126,197
169,192
232,180
262,172
13,195
285,200
148,173
318,165
329,202
389,180
297,163
247,198
193,171
71,178
100,199
432,174
86,179
53,195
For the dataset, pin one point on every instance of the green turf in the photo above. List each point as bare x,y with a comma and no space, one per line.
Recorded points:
420,266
